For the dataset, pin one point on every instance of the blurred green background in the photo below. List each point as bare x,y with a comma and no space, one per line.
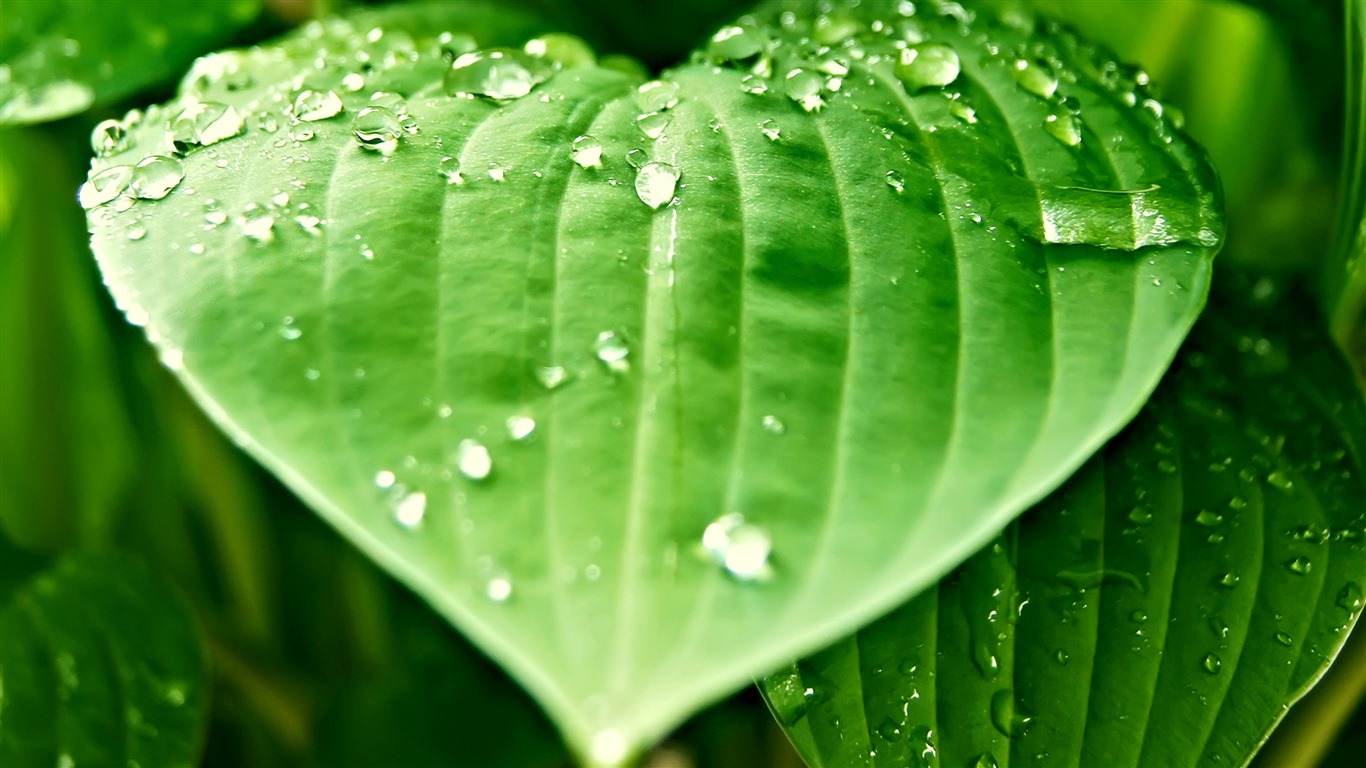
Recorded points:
318,657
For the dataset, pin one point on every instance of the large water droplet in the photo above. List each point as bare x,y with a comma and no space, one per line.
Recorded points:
520,427
896,181
499,588
754,85
1300,565
986,760
410,508
773,425
658,96
449,168
561,50
1280,480
1064,125
501,74
473,460
743,549
206,123
1212,663
257,223
105,186
586,152
1350,598
108,137
1035,77
930,65
736,44
155,177
656,184
551,376
311,106
804,87
613,351
1208,517
377,129
652,124
770,129
1008,715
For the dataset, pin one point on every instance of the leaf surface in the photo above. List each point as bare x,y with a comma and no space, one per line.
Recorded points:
100,664
1165,607
875,320
59,57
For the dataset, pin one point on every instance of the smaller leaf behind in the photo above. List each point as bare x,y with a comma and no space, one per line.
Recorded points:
1165,607
59,57
100,664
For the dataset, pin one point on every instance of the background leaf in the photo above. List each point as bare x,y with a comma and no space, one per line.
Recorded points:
100,664
984,283
58,57
1164,607
1344,278
66,458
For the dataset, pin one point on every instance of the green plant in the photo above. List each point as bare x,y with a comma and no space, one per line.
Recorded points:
649,386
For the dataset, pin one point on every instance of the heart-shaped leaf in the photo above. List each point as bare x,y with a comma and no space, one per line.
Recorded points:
100,664
642,385
1165,607
58,57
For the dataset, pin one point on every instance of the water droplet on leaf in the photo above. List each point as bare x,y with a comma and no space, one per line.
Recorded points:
155,177
473,460
656,184
930,65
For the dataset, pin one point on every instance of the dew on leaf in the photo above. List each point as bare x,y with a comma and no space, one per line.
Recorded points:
1350,598
105,186
930,65
612,351
257,223
108,137
773,425
384,479
754,85
790,696
986,760
609,747
895,181
652,124
1212,663
214,214
586,152
154,177
1300,565
205,123
770,129
658,96
473,460
1035,77
136,233
736,44
410,508
804,87
656,184
561,50
520,428
1285,639
1008,715
449,169
1229,580
1280,480
742,549
551,376
1064,125
310,106
962,111
377,129
501,74
637,158
1208,517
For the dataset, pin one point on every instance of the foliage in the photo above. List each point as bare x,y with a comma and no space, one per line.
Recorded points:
648,386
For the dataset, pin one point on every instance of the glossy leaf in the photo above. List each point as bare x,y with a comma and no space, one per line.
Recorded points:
526,376
100,664
59,57
1164,607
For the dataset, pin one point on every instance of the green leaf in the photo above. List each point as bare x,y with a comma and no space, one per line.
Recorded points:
1344,277
877,330
59,57
1164,607
66,457
100,664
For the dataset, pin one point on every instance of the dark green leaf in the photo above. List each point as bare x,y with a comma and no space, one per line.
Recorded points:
58,57
1164,607
1344,278
100,664
877,330
66,454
